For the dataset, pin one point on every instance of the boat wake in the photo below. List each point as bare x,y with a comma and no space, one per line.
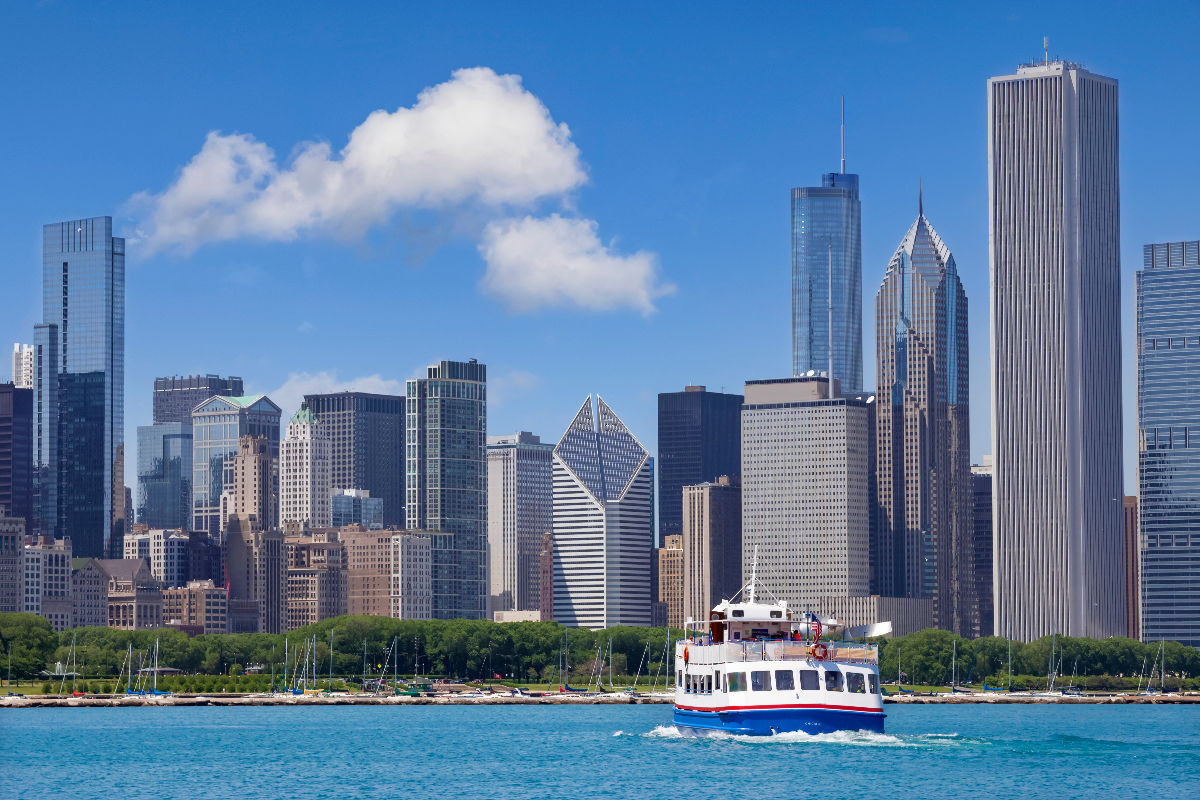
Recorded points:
843,738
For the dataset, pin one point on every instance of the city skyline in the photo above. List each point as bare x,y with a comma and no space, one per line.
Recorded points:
691,255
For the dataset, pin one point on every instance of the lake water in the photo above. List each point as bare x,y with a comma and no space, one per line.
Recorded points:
560,752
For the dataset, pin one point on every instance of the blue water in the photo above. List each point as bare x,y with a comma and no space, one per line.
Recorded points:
628,752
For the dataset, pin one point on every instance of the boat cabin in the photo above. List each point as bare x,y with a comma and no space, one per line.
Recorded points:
735,622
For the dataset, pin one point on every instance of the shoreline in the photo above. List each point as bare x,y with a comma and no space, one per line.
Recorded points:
192,700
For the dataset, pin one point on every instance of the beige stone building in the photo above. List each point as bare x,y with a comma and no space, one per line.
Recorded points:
316,578
368,570
89,594
200,605
133,595
712,545
256,569
252,493
670,579
46,573
12,540
411,576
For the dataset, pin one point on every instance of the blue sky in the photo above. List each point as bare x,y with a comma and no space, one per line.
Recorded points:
686,125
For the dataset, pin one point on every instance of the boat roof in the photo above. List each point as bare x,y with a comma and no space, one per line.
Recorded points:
752,612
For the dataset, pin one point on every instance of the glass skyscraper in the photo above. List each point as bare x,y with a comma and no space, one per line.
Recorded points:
164,469
1168,398
217,424
447,482
827,225
79,387
174,398
699,440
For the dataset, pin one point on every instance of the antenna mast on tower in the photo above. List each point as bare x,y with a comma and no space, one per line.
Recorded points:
843,134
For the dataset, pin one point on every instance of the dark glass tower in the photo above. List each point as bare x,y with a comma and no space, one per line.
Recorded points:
16,452
447,482
1168,398
83,311
174,398
827,256
699,440
366,437
164,469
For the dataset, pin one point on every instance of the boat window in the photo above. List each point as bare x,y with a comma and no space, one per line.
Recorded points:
758,633
855,683
760,680
708,684
739,613
736,681
737,636
776,615
874,679
833,681
717,681
679,677
784,679
809,681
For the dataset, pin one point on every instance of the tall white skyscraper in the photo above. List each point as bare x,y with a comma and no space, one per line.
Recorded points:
305,477
806,490
22,365
603,522
519,513
1054,236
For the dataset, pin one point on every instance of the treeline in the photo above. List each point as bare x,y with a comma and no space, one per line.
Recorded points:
530,652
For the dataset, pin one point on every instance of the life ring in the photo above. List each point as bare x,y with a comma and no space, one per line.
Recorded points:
685,655
819,651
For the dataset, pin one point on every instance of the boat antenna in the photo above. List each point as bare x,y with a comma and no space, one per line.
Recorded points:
753,573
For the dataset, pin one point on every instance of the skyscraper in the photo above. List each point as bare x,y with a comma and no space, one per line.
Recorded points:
447,481
16,452
217,426
603,522
1133,562
175,397
1054,231
164,469
827,259
305,482
520,503
1168,398
45,431
366,438
981,486
806,490
83,310
699,439
22,365
252,494
712,545
923,441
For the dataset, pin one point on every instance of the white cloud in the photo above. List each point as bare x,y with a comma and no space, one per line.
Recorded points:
537,262
510,385
290,395
477,138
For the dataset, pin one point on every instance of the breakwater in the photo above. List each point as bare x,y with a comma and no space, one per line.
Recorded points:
336,699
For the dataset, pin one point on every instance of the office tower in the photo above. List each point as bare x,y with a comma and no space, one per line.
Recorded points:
699,439
546,578
356,507
366,438
133,595
1133,559
447,482
164,465
712,544
22,366
981,518
45,431
256,574
520,511
411,585
217,426
316,578
305,482
46,566
1054,233
827,261
1168,398
603,522
83,310
12,580
89,594
175,397
923,445
198,607
251,494
670,579
165,551
16,452
369,570
806,503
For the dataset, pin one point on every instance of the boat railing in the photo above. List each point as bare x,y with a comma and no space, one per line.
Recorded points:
703,651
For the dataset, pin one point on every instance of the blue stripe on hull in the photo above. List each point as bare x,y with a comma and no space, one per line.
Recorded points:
780,720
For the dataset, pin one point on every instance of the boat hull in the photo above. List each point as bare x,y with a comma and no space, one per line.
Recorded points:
768,721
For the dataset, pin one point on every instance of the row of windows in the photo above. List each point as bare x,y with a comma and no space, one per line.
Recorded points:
784,680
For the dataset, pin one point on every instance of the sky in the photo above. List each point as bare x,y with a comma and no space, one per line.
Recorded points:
585,198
